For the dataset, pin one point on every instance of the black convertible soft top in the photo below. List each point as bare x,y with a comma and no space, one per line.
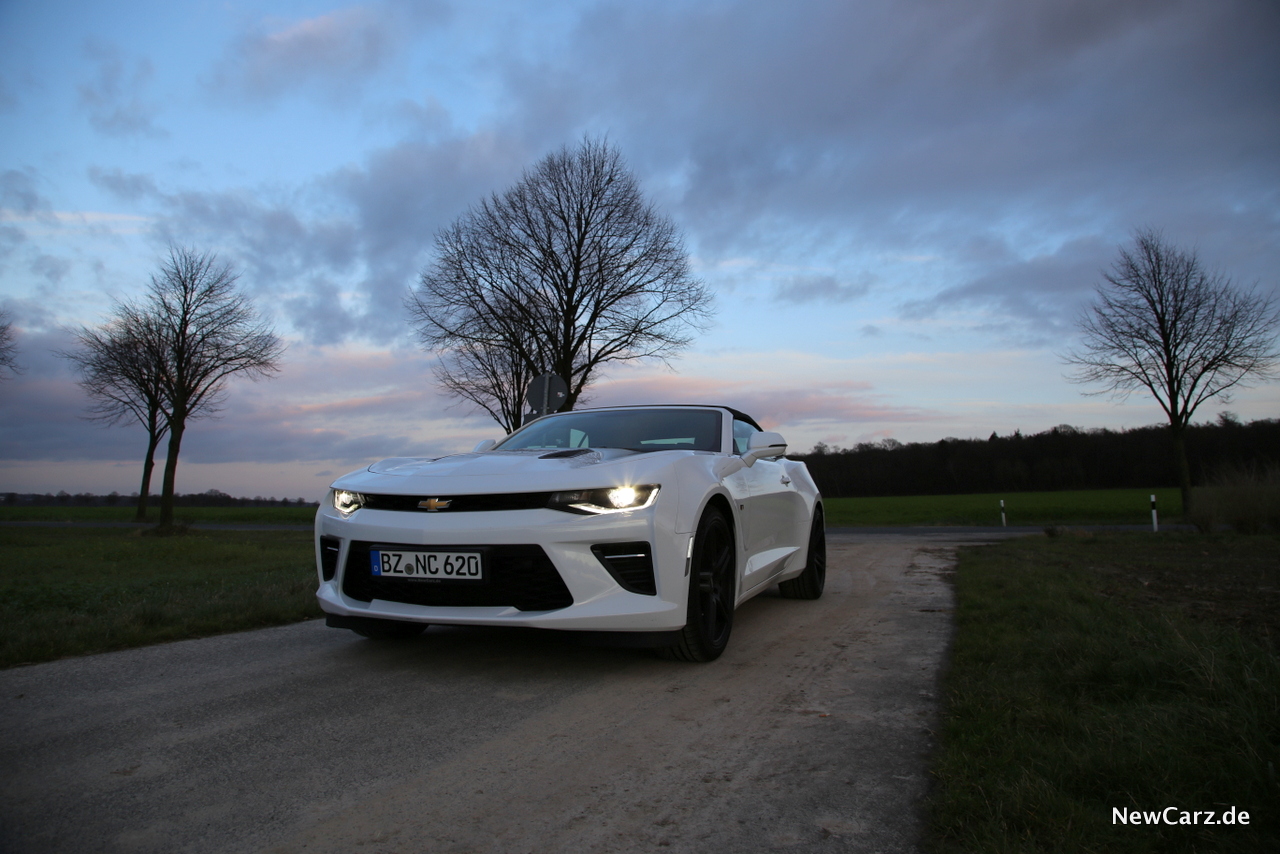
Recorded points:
742,416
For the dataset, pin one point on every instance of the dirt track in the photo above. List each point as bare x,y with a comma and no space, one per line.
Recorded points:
810,734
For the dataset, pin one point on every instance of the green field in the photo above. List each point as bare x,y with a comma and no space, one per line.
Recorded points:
1118,671
1076,507
82,590
181,515
1079,507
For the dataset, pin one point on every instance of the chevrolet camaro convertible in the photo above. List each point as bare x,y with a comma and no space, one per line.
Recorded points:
648,523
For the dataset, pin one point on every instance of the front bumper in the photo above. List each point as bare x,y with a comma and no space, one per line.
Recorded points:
592,597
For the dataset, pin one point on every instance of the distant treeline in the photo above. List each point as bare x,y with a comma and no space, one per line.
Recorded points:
1065,457
1062,458
212,498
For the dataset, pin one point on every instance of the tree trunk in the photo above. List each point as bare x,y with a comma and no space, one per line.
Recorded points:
148,466
1181,465
176,429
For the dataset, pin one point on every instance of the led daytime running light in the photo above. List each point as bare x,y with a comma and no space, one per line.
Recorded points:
346,502
610,499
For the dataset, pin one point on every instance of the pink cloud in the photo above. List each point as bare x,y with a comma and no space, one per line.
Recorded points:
840,401
341,47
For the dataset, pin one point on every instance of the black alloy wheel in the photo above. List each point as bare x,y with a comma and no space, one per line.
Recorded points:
810,583
712,590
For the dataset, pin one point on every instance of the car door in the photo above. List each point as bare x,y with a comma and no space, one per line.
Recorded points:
772,504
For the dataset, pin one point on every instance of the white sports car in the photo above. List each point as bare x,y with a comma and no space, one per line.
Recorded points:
651,523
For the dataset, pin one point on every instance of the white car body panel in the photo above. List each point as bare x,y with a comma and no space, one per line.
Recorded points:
771,504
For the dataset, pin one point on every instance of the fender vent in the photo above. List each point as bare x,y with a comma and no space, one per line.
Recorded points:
630,564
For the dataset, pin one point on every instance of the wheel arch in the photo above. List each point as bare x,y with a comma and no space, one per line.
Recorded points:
724,504
818,508
721,502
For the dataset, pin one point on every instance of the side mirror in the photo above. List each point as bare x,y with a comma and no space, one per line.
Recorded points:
726,466
764,446
484,446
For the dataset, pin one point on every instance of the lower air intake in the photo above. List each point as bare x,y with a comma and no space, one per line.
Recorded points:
630,564
329,549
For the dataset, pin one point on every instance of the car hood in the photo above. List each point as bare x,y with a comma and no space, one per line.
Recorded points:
508,471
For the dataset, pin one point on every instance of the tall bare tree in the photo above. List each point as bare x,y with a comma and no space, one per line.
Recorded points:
123,378
8,349
492,377
206,331
565,272
1163,323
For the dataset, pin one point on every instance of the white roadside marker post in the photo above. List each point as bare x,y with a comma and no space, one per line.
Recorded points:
1155,522
1004,523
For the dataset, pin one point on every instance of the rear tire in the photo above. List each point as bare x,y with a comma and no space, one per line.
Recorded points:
810,583
712,591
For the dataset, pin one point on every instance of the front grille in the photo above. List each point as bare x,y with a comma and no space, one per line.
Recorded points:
460,503
519,576
630,564
329,548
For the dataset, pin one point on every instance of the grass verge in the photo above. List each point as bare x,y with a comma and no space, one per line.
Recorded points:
1078,507
1071,507
94,589
1094,673
181,515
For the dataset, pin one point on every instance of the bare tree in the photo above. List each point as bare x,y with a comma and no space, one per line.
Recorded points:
491,377
8,349
565,272
119,372
206,332
1163,323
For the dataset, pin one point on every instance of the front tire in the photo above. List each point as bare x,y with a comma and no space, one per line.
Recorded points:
712,580
810,583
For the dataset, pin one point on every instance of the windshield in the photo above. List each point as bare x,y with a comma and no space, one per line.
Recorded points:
633,429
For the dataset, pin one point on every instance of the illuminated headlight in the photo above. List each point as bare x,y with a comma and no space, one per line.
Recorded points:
346,502
611,499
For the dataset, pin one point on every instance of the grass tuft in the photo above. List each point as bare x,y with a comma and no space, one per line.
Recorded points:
1245,499
1081,682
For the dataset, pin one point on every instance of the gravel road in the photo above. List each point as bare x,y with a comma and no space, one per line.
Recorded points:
810,734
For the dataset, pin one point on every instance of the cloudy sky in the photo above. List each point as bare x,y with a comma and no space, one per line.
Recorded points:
900,205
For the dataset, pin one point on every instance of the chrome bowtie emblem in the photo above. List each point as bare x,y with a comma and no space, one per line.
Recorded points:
434,504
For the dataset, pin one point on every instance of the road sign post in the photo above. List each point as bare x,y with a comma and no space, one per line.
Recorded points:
547,393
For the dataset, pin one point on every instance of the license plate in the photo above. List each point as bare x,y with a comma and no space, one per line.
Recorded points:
443,566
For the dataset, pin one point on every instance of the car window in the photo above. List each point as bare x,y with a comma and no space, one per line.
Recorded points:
741,435
634,429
